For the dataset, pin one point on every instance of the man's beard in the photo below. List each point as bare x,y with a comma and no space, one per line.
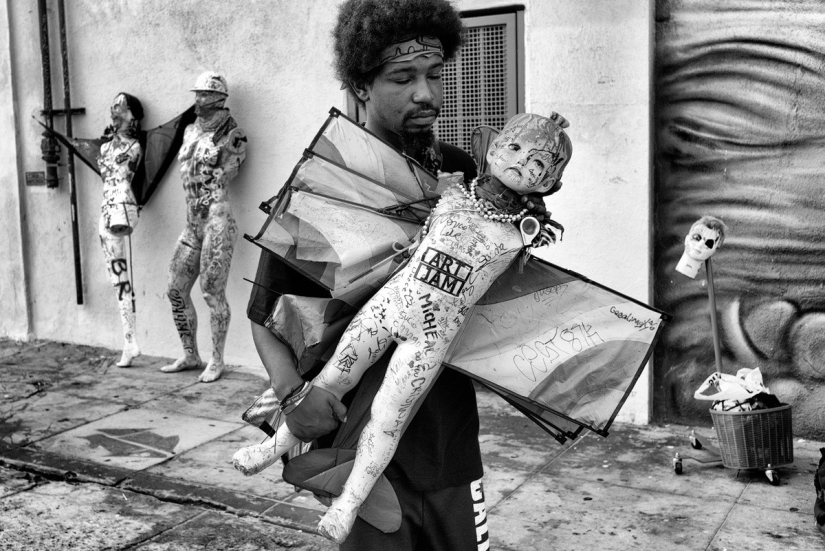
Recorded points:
421,139
417,141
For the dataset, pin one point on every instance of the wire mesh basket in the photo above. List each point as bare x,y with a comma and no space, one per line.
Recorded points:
754,439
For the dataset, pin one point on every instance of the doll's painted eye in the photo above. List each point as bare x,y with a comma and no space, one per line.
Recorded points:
539,164
514,147
696,237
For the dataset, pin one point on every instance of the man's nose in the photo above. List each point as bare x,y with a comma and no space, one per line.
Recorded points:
423,92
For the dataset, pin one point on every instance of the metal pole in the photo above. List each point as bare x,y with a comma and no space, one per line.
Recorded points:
714,327
48,146
67,106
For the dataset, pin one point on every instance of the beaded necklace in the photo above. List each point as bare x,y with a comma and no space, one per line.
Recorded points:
486,209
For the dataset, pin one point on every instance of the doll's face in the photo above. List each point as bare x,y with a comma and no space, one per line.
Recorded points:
522,161
701,242
121,115
207,103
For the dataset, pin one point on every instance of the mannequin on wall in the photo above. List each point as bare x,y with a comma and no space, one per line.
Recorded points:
120,157
213,149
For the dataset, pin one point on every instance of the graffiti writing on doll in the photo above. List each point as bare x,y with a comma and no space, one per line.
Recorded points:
467,244
119,158
213,149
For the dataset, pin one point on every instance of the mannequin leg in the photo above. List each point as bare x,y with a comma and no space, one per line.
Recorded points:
413,368
220,235
114,251
183,271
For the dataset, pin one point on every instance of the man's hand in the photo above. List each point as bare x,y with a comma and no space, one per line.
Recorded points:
319,413
534,203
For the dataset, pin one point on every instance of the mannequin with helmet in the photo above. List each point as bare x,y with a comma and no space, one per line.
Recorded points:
120,157
213,149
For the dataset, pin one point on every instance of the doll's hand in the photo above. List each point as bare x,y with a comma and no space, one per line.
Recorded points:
534,204
550,231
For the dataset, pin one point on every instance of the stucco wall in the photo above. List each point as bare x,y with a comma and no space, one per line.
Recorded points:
15,315
586,59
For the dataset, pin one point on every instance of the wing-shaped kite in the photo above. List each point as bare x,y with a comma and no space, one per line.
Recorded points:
160,146
562,349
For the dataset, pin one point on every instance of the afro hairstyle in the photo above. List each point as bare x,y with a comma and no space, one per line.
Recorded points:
365,27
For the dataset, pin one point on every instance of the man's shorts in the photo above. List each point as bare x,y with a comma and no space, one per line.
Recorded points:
453,519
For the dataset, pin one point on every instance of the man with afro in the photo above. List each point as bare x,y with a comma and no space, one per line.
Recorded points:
389,55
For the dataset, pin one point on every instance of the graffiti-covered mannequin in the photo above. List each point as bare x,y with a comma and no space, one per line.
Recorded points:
468,243
119,159
213,149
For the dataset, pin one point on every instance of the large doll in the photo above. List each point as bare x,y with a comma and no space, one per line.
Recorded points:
120,157
468,243
212,152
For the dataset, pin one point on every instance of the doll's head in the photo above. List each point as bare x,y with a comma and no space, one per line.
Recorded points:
126,112
530,153
706,235
211,92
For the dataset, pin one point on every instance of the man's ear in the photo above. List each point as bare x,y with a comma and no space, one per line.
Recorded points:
361,91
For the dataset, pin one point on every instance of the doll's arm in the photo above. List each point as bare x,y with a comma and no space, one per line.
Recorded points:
233,155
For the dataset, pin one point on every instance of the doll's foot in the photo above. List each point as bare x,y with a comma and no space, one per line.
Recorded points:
130,352
189,361
337,522
254,459
213,372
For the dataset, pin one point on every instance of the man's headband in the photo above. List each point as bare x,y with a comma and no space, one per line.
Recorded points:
409,49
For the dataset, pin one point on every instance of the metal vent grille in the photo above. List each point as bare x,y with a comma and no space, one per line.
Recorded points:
477,89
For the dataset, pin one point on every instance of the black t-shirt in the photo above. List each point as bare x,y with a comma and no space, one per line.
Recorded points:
440,446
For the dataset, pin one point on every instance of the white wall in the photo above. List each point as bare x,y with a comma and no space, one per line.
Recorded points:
14,321
587,59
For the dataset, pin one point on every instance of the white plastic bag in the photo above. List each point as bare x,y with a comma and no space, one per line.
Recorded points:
741,387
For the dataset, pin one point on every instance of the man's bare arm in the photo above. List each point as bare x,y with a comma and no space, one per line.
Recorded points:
317,414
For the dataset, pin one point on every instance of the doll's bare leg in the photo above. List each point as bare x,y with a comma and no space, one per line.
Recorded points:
411,371
220,235
363,343
183,271
114,253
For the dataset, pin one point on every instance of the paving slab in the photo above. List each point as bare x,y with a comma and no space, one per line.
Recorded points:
83,517
216,531
62,467
796,482
573,513
500,481
747,527
136,439
13,481
211,463
132,386
225,399
65,357
46,414
508,438
301,511
642,457
174,489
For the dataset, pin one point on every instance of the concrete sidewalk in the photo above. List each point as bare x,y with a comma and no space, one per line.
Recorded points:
68,413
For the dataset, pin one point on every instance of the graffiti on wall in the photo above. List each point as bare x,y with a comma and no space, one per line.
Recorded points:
740,135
